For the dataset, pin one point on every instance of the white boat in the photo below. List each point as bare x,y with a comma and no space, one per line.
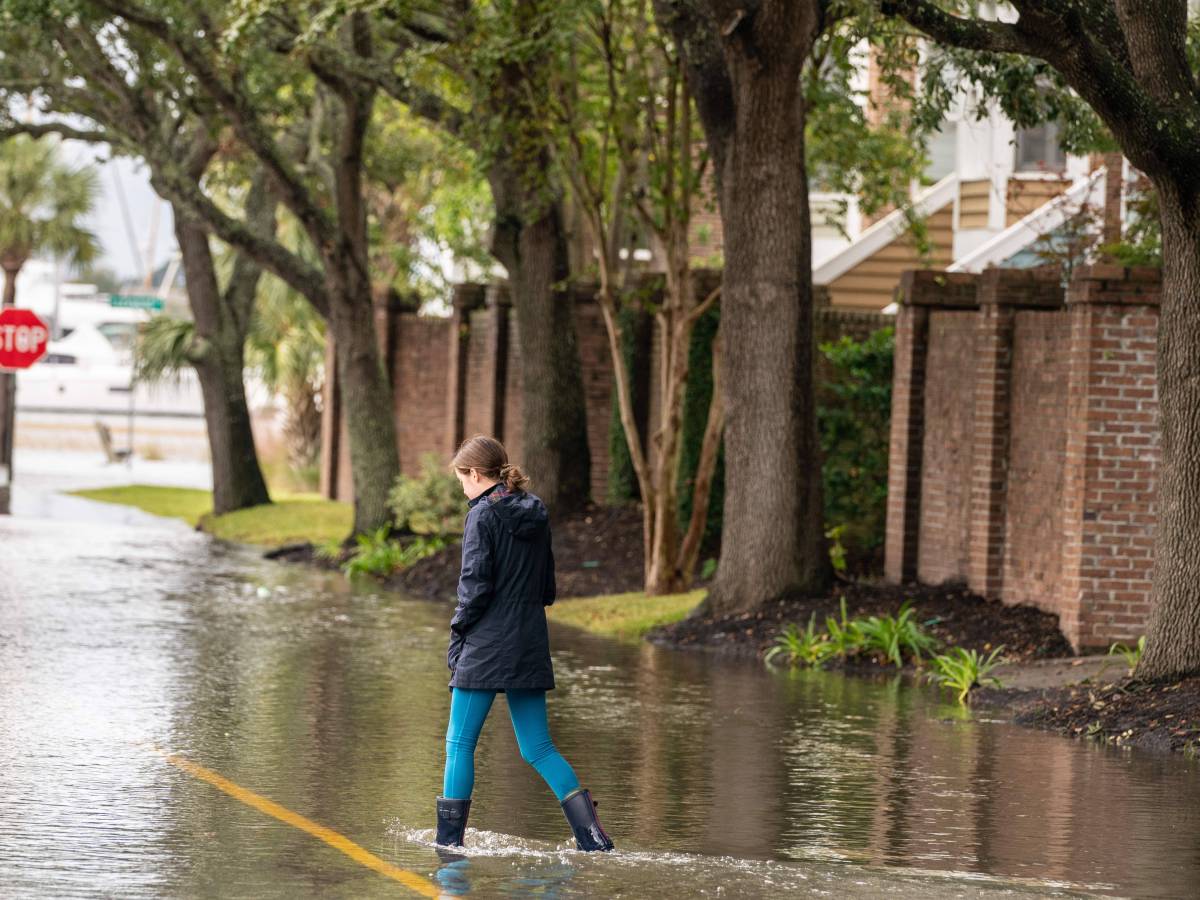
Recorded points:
88,366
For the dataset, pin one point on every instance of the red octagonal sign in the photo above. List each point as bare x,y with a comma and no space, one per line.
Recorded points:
23,338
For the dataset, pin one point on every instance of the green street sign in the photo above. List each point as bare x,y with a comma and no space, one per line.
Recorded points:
135,301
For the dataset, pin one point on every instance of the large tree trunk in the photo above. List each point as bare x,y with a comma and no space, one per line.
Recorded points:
747,87
529,239
1173,638
366,399
553,415
217,356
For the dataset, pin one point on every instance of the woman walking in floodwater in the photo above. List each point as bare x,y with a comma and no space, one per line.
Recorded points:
499,642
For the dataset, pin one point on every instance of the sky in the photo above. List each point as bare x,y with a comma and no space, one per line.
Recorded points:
125,177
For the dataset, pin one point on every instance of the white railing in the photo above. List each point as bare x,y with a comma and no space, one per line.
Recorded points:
885,231
1087,192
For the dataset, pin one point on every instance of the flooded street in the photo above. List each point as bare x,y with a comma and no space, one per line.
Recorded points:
715,778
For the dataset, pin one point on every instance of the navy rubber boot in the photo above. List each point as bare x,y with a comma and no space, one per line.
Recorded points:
580,810
451,821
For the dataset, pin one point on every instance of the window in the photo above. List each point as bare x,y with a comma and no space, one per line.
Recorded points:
1038,149
942,151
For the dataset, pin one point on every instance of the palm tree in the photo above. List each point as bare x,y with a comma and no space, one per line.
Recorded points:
286,346
42,202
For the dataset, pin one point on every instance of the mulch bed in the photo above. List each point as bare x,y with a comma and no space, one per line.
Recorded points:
1153,716
952,614
596,551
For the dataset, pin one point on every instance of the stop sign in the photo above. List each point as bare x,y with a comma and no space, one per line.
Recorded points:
23,338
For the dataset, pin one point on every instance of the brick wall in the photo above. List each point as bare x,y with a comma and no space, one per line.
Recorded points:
457,376
1024,445
947,449
1032,539
419,385
1112,452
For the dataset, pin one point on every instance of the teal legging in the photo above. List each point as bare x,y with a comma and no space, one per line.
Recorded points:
469,709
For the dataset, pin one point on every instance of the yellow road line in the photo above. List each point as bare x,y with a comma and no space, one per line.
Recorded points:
410,880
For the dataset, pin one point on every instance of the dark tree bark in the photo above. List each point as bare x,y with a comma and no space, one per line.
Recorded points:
745,62
1127,59
529,241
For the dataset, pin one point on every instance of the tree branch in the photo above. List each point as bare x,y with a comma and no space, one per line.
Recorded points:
68,132
244,118
970,34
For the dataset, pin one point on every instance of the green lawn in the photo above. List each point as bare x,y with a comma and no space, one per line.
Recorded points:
292,518
626,617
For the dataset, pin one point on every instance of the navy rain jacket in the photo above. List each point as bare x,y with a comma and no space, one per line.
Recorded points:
498,636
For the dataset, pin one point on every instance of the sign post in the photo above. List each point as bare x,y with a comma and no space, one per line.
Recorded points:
23,339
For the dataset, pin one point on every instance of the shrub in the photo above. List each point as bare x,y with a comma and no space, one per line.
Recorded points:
964,670
854,407
377,554
431,503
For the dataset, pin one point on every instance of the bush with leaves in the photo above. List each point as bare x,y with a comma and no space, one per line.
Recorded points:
431,503
380,555
853,418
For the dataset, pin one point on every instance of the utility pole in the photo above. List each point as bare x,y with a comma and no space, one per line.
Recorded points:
8,404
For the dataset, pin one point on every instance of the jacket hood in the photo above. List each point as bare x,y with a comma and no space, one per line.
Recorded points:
522,513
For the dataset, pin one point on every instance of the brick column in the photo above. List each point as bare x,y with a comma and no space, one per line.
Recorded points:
465,298
499,306
1001,293
1112,456
918,291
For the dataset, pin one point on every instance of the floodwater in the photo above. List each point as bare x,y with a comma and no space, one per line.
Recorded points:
715,778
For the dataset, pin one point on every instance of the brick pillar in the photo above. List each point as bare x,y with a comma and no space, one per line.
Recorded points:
1001,293
465,298
499,306
918,291
1109,505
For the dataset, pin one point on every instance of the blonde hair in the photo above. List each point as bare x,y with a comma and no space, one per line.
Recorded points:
488,456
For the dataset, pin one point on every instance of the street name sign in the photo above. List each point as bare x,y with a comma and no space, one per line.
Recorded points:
23,338
135,301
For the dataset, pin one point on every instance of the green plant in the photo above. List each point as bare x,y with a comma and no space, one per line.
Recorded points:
374,554
854,402
379,555
431,503
893,637
962,670
1132,655
837,552
845,636
330,550
709,568
798,647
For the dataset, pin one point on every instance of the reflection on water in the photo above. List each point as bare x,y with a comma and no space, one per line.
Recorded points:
713,776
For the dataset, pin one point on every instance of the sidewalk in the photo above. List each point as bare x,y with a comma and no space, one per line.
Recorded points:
42,477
